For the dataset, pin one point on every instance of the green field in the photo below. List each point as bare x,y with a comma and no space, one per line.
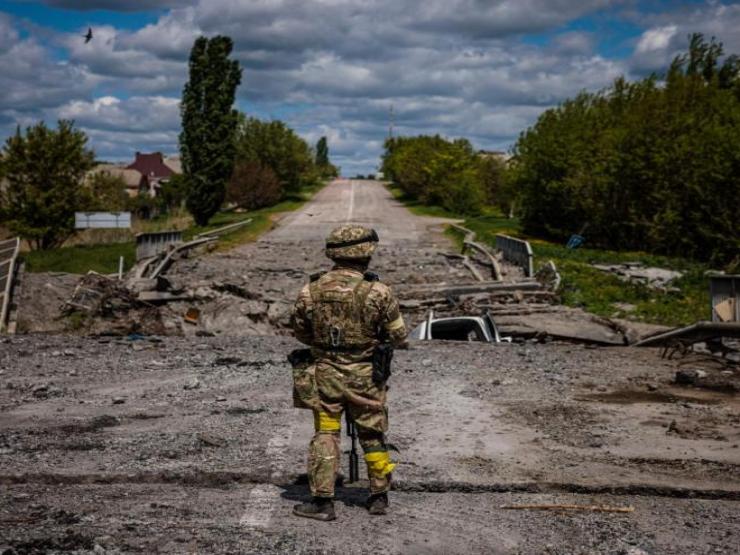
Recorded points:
80,259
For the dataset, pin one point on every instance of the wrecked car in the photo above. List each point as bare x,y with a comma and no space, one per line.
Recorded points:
459,328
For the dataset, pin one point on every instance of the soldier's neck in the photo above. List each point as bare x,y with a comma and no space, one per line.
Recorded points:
347,265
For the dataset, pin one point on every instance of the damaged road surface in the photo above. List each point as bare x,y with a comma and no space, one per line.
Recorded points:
165,444
181,445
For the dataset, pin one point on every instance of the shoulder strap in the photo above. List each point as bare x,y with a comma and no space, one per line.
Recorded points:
361,292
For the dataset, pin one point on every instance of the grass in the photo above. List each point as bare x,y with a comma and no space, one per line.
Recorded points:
103,258
593,290
80,259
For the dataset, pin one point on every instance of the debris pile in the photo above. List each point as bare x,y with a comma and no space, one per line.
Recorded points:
102,305
635,272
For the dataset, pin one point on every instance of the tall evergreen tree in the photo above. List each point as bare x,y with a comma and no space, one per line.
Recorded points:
322,153
208,124
44,170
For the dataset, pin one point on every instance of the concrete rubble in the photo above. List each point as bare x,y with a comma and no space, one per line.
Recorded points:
232,295
655,278
143,443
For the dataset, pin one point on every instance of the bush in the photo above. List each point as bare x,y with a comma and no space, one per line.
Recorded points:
253,186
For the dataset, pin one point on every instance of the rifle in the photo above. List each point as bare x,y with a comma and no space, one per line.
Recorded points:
354,464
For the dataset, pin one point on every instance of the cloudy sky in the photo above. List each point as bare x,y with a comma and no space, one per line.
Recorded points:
482,69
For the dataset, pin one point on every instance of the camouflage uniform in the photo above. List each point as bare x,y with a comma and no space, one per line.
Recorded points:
343,314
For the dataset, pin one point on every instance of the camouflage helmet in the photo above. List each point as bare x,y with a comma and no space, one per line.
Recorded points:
351,242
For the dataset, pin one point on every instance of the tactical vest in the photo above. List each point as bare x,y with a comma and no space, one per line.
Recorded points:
340,317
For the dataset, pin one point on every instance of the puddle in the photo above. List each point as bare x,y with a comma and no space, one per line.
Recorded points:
627,397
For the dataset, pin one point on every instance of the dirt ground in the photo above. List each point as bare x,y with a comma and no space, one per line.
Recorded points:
191,445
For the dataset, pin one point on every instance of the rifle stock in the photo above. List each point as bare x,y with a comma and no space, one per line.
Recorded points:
354,462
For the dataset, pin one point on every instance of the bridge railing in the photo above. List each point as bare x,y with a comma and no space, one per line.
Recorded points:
8,258
151,244
516,251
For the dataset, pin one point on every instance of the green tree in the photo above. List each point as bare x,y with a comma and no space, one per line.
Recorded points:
208,124
173,193
274,145
107,193
322,152
44,170
645,165
326,169
436,171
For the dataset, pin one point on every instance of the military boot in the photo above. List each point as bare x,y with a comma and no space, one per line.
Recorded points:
377,503
320,508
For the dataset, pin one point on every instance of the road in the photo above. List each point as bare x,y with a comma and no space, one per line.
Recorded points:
363,202
191,445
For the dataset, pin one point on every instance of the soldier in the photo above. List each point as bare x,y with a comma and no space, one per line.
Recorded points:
344,315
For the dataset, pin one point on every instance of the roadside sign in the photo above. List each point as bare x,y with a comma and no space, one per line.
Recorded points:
102,220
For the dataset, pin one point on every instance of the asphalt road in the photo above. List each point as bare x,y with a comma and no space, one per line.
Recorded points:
366,203
191,445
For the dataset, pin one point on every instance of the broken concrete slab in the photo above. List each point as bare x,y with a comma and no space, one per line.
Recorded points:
636,331
566,324
657,278
448,289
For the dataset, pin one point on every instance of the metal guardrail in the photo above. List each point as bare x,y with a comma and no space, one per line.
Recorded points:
517,251
725,293
8,257
165,263
470,244
151,244
223,230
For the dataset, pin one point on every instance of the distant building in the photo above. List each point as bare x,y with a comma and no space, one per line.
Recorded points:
174,163
145,175
154,168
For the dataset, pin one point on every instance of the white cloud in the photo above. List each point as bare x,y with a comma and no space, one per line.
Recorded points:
334,67
656,39
136,114
667,35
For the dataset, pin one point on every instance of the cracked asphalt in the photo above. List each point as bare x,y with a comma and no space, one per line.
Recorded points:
191,444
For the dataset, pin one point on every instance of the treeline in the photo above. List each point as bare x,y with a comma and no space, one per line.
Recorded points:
650,165
441,172
273,162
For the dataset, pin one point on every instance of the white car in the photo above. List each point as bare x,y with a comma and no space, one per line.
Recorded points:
459,328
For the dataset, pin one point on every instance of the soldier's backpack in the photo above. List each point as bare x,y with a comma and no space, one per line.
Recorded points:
341,318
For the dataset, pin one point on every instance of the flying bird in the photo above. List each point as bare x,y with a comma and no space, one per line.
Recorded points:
89,35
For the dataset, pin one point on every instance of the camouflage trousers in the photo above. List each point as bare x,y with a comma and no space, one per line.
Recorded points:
347,387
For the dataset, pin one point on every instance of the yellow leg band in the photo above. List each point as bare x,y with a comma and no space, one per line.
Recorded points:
379,463
326,422
396,324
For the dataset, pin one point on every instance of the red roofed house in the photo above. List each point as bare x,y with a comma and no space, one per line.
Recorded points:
152,166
